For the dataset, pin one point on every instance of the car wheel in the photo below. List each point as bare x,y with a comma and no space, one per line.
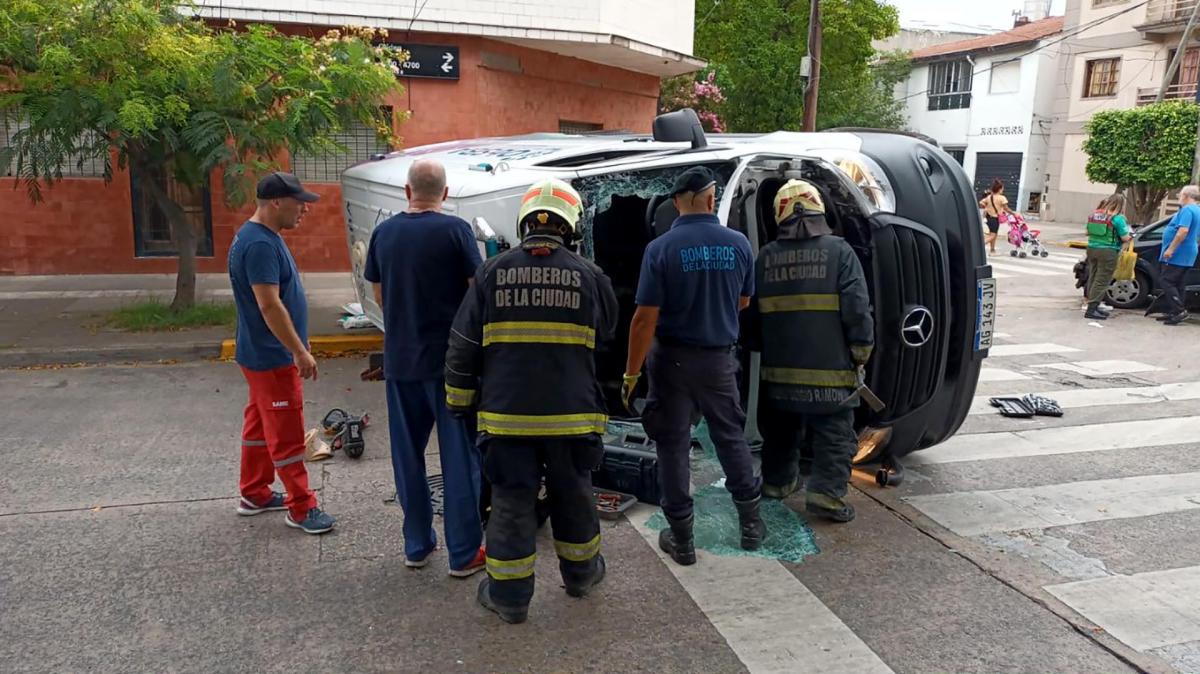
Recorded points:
1130,294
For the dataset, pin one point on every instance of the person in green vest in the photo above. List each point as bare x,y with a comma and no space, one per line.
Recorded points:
1107,230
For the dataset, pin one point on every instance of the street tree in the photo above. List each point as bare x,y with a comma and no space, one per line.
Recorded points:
758,46
1146,151
162,92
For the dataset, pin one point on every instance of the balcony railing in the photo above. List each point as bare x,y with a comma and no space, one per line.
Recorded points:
1185,92
1163,13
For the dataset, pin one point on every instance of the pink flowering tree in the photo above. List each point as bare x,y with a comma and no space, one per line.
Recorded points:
700,92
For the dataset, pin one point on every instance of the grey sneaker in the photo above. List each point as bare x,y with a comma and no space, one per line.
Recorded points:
317,522
247,507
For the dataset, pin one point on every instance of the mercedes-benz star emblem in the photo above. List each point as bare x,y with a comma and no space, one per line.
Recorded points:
917,327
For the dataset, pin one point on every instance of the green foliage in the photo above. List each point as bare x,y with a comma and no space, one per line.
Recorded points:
144,81
758,46
1150,146
155,316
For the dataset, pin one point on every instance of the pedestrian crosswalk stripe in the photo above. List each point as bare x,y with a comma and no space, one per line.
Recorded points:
1095,397
997,274
1024,269
1102,368
1144,610
987,374
1060,440
1001,350
768,617
979,512
1001,335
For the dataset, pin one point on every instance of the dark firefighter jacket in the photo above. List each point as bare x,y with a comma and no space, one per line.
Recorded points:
522,346
812,321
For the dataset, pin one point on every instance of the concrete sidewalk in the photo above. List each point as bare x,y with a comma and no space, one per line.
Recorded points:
49,320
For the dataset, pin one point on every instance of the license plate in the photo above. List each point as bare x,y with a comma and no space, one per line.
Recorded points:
985,313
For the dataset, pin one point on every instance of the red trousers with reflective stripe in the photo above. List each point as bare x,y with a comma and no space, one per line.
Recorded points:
273,440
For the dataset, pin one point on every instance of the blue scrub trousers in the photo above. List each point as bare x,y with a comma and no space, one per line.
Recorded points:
413,409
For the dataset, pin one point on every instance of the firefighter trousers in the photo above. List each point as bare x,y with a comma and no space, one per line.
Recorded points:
832,442
273,440
516,467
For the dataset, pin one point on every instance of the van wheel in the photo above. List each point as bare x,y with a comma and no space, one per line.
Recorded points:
1130,294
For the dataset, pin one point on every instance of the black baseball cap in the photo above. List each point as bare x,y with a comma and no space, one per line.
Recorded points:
695,179
280,185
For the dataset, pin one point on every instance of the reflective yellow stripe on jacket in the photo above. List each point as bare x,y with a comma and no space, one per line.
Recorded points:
577,552
538,332
510,569
459,397
820,378
537,425
802,302
861,354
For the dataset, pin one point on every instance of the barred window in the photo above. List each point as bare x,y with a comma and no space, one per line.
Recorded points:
1101,77
361,143
77,165
950,85
567,126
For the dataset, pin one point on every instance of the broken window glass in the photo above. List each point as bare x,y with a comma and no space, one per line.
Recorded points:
598,192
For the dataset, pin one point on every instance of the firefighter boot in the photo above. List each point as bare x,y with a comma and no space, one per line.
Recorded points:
753,528
581,589
509,614
828,507
677,541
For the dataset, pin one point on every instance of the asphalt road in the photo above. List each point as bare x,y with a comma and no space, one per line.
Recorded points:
1047,545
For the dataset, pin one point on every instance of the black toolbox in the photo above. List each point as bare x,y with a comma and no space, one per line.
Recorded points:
630,463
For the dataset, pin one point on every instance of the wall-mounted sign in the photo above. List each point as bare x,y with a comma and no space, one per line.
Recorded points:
427,60
1002,131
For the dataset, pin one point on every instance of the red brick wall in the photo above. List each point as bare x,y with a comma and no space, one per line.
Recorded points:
86,227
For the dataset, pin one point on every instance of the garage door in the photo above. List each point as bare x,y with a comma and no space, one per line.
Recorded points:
1003,165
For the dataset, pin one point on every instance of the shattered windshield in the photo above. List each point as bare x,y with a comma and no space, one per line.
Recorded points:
598,192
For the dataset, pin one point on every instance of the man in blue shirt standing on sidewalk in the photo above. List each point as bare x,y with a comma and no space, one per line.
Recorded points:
694,281
420,263
1179,250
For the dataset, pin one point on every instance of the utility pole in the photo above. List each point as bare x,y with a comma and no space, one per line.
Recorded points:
813,89
1183,41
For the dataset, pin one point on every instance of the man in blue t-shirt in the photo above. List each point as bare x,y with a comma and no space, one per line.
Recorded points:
694,281
272,350
1179,249
420,263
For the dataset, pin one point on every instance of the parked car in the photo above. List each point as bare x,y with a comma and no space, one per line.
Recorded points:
1135,294
903,204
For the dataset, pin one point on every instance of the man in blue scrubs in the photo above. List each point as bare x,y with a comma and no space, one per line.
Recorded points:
694,281
419,264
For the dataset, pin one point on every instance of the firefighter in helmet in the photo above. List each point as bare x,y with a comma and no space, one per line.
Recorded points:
521,357
812,321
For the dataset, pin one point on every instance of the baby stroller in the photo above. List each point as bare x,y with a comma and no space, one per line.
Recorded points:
1024,240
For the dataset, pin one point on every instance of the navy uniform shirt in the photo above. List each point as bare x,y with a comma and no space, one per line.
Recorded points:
422,262
259,256
695,274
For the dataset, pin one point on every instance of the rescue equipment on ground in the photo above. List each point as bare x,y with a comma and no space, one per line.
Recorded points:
345,431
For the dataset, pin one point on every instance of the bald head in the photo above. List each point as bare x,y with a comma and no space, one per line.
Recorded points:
426,181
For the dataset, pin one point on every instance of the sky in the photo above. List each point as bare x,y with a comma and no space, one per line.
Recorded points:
995,14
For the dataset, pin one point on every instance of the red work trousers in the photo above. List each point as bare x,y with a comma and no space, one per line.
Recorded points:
273,439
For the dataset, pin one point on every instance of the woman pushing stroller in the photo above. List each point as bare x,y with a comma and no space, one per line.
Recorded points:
993,205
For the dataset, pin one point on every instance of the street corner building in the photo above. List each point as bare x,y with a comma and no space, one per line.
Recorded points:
986,100
476,68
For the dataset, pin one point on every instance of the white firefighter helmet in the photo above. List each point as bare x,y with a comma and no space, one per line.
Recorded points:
797,197
551,196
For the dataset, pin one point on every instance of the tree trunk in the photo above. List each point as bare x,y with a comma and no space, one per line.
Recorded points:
1146,201
182,234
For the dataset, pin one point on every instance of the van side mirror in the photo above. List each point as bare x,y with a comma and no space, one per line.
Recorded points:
681,126
483,231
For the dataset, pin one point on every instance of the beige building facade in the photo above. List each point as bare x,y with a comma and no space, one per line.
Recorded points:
1114,56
